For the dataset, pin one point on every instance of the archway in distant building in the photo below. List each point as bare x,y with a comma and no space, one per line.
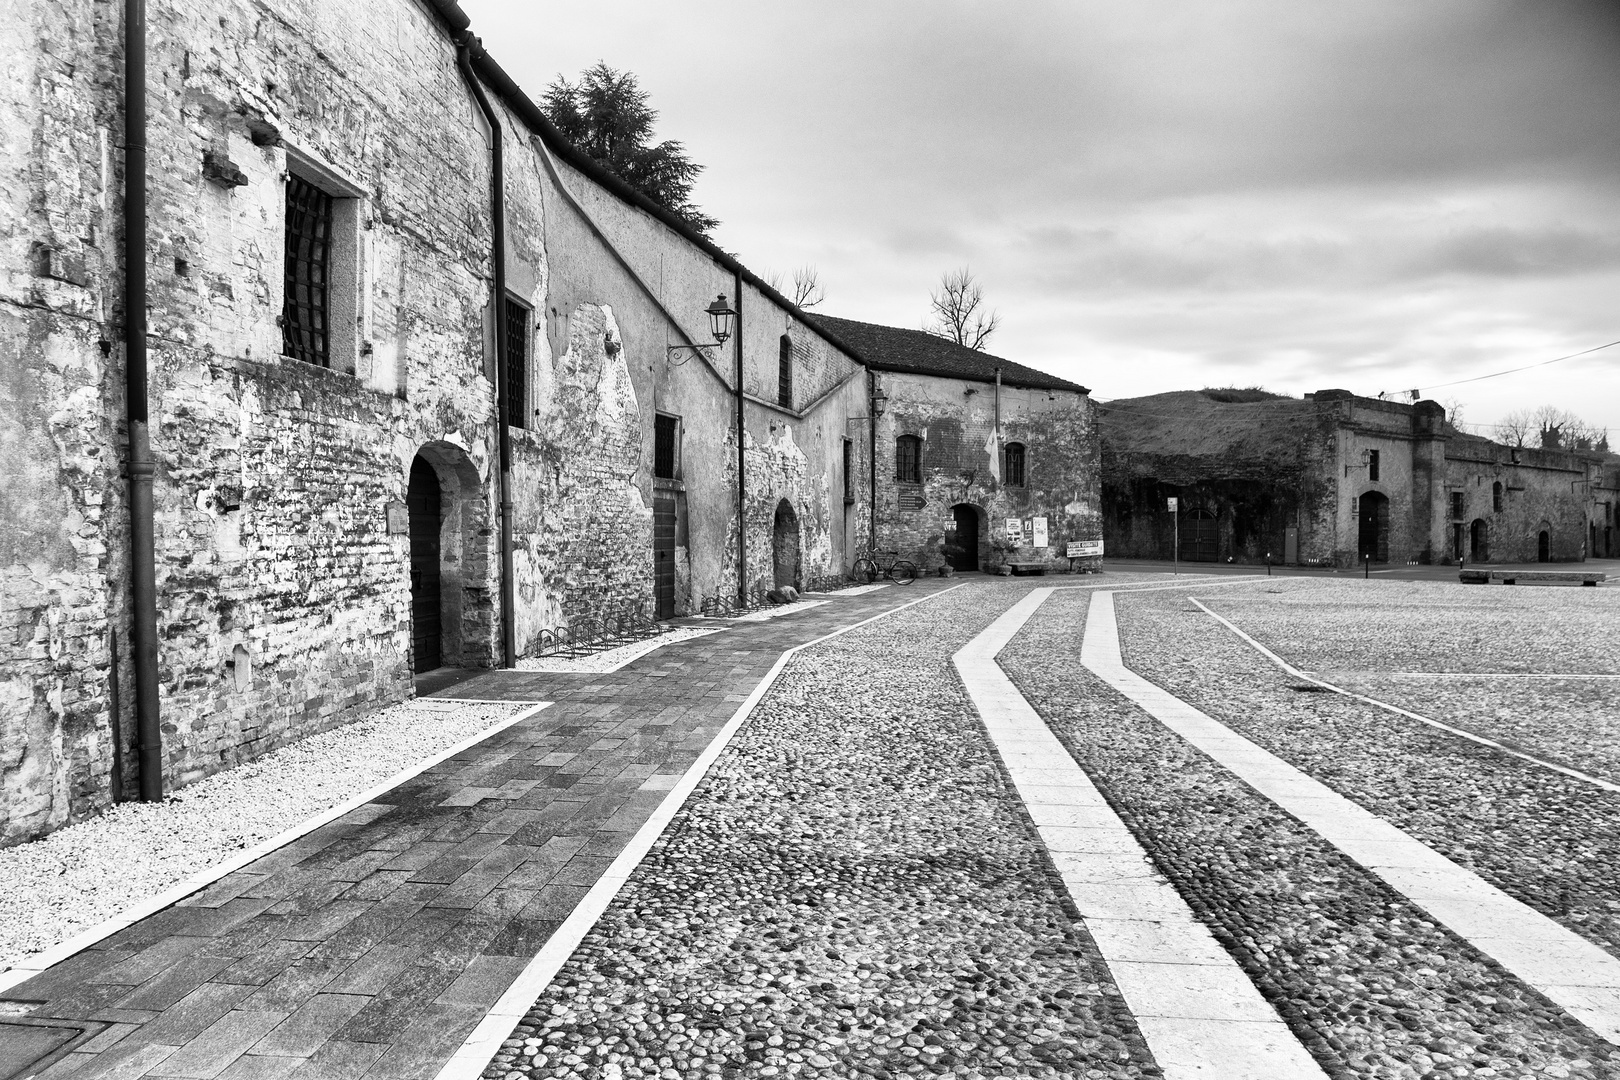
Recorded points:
452,616
1544,544
1372,527
785,547
1199,538
962,542
1479,541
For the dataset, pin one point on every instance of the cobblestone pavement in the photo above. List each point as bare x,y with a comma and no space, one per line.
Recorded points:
372,946
855,888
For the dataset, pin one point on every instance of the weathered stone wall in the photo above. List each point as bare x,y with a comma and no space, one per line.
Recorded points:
1541,490
60,488
954,419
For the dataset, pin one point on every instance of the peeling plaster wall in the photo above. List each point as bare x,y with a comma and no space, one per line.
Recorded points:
1541,489
954,418
794,454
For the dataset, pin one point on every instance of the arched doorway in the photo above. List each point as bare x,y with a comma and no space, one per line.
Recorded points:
1199,540
962,542
453,622
1544,546
1479,541
785,547
1372,527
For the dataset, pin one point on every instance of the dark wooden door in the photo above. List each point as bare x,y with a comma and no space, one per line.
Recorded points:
664,555
423,502
1372,532
965,536
1544,547
1199,541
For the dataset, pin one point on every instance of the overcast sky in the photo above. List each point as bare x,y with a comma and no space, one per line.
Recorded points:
1378,195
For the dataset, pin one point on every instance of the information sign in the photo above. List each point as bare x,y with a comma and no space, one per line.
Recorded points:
1039,531
1081,549
1170,504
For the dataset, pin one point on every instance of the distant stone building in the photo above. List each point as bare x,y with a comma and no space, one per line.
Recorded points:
384,436
970,446
1332,480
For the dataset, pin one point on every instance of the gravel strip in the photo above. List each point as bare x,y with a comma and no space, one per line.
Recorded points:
1543,838
612,659
1370,985
853,890
777,612
79,876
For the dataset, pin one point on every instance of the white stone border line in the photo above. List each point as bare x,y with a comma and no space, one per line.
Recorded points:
1606,785
33,965
482,1044
1198,1011
1578,976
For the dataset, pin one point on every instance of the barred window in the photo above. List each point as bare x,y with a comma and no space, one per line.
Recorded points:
908,459
1456,504
666,447
517,363
784,373
1496,496
305,318
1013,474
1372,465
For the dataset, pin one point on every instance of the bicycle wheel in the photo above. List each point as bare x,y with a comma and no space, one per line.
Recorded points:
864,571
903,573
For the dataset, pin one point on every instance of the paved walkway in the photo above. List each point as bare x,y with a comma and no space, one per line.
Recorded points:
373,945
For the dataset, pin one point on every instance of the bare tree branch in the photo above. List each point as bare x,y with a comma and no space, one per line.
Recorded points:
807,290
958,313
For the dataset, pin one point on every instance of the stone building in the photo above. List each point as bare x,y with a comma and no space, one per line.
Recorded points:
969,446
385,434
1330,480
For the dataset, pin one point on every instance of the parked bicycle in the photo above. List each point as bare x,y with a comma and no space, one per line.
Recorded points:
873,565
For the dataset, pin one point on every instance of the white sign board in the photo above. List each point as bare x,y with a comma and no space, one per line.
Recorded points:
1170,504
1015,530
1080,549
1040,532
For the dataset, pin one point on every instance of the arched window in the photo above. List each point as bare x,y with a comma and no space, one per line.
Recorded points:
908,459
784,373
1496,496
1012,473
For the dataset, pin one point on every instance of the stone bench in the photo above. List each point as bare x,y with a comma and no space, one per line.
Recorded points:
1513,577
1027,566
1474,577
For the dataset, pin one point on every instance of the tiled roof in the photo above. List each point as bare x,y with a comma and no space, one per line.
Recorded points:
890,348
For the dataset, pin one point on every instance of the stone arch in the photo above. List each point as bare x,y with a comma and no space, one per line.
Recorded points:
450,561
1544,542
785,561
967,539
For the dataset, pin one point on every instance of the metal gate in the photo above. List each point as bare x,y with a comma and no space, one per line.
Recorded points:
663,555
1199,536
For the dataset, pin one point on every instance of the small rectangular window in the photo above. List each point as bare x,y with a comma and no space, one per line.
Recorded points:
1372,465
1013,474
784,374
305,317
667,447
517,363
1457,504
908,459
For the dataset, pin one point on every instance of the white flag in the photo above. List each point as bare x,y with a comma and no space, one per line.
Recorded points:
992,447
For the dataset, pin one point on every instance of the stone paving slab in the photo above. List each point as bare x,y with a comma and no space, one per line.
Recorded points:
373,945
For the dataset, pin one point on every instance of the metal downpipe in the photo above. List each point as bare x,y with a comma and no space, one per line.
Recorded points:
142,554
466,44
742,488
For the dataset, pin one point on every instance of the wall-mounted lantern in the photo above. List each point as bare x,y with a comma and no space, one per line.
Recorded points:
880,401
1363,460
721,318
